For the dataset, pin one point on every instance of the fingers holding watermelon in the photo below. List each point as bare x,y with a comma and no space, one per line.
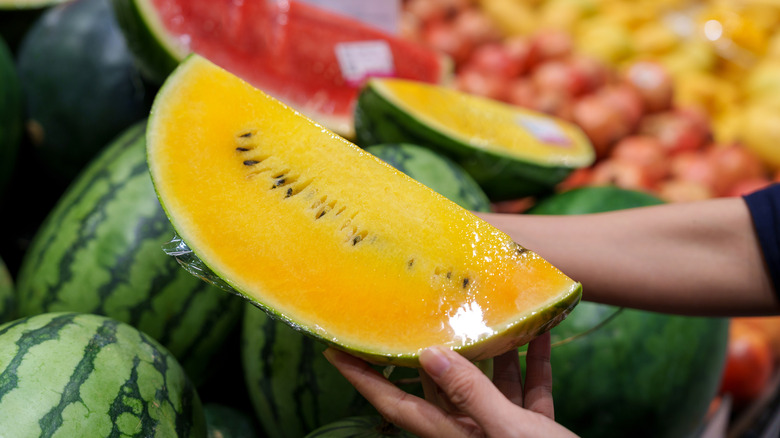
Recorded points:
460,400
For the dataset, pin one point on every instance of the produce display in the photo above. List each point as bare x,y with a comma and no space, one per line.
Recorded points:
513,106
650,113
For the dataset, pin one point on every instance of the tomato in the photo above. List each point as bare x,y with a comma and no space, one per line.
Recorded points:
749,363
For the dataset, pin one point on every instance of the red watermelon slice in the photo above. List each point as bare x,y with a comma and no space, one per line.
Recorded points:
312,59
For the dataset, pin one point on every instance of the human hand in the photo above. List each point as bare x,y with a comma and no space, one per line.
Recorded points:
460,400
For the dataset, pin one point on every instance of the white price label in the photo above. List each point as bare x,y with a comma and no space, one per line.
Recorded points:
362,59
544,129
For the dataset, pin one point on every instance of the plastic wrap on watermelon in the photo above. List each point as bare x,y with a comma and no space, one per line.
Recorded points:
179,250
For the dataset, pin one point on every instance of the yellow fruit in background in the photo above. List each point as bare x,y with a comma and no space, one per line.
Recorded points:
762,85
655,38
611,42
564,14
760,132
706,90
693,55
512,17
727,126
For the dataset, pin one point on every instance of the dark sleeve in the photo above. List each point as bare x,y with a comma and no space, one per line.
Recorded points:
764,206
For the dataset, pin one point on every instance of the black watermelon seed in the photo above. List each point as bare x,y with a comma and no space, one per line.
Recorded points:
250,162
465,283
289,192
246,135
240,149
449,275
356,239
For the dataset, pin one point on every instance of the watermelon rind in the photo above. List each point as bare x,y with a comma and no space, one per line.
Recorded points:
83,375
100,251
436,171
379,119
155,55
366,426
628,372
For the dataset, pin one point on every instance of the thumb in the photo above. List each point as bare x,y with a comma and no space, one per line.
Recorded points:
465,385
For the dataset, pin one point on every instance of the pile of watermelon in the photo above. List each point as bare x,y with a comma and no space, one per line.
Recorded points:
95,318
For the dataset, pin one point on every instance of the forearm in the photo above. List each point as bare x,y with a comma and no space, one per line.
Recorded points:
696,258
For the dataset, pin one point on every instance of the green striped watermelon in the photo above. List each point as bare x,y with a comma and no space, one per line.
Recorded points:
435,171
365,426
639,374
100,251
82,375
293,388
7,298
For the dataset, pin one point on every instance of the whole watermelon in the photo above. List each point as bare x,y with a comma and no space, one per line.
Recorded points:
638,374
10,115
82,375
80,84
100,251
293,388
435,171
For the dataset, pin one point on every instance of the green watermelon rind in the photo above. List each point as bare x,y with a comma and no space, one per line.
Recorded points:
522,330
75,374
435,171
502,176
156,54
15,5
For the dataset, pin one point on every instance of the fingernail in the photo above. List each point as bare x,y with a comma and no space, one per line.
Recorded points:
330,353
434,361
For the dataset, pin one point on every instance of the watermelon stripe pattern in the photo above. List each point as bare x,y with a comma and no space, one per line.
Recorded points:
100,251
292,387
70,374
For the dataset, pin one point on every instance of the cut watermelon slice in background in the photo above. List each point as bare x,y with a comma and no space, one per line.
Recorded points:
310,58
